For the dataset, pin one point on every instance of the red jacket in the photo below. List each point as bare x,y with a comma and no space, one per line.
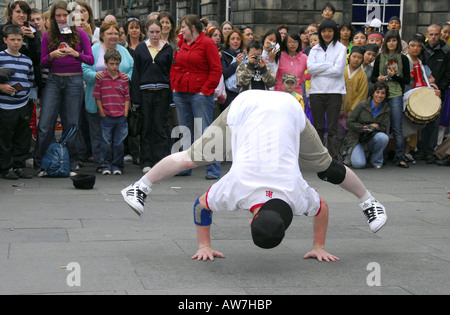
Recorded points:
196,67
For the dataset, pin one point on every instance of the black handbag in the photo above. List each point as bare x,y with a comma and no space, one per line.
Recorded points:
134,122
366,135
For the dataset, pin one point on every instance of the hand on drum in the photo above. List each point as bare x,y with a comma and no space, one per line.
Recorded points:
436,89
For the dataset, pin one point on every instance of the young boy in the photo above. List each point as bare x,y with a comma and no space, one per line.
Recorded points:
328,11
313,39
289,81
113,101
15,108
254,74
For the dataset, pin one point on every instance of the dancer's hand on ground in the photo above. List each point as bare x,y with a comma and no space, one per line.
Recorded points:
206,253
321,254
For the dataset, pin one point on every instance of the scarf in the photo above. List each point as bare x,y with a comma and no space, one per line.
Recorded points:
394,61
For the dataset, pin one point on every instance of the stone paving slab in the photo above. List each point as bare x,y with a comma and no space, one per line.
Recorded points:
46,224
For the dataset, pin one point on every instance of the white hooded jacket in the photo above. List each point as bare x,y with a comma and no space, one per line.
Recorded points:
327,69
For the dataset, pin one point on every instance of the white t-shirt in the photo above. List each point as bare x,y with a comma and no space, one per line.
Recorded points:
265,137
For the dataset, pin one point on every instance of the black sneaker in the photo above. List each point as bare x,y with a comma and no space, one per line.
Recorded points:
409,159
400,162
431,159
443,162
9,174
21,174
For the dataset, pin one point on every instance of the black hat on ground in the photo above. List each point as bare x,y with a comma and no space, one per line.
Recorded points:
270,223
83,181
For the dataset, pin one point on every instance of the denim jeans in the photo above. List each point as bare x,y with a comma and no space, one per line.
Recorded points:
376,146
96,137
396,106
114,131
193,110
62,95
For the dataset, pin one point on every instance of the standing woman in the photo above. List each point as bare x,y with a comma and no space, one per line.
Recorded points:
109,39
92,30
392,67
133,29
226,28
63,54
232,57
170,37
271,49
151,91
215,34
168,29
292,60
195,74
326,64
346,31
359,39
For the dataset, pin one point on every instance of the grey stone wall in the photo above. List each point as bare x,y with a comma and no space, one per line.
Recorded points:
263,15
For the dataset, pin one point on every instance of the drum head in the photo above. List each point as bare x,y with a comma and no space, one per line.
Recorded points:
423,105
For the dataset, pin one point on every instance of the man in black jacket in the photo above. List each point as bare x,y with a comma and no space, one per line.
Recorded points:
437,58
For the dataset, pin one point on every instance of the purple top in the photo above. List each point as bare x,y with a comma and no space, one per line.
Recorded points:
68,64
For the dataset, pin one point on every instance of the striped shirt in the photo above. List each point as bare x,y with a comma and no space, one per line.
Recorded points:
113,93
23,75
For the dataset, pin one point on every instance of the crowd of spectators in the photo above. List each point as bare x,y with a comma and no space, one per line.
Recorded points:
353,84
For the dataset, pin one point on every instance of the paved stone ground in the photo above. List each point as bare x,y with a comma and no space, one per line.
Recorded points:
46,224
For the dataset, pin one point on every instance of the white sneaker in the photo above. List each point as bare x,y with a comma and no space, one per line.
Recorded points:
41,174
135,195
72,174
106,172
146,169
375,214
117,172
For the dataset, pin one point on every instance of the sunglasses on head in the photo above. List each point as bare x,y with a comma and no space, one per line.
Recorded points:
133,19
243,27
12,2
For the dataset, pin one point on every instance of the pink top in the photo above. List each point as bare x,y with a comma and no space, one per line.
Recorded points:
67,64
296,65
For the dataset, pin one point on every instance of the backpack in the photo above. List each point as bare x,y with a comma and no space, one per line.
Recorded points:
56,161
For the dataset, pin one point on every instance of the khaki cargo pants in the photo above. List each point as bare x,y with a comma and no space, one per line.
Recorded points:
215,146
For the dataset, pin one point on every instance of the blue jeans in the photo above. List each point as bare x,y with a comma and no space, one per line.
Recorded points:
114,131
193,110
376,145
62,95
396,106
95,133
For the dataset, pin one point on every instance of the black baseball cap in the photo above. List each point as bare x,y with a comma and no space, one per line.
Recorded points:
270,223
83,181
